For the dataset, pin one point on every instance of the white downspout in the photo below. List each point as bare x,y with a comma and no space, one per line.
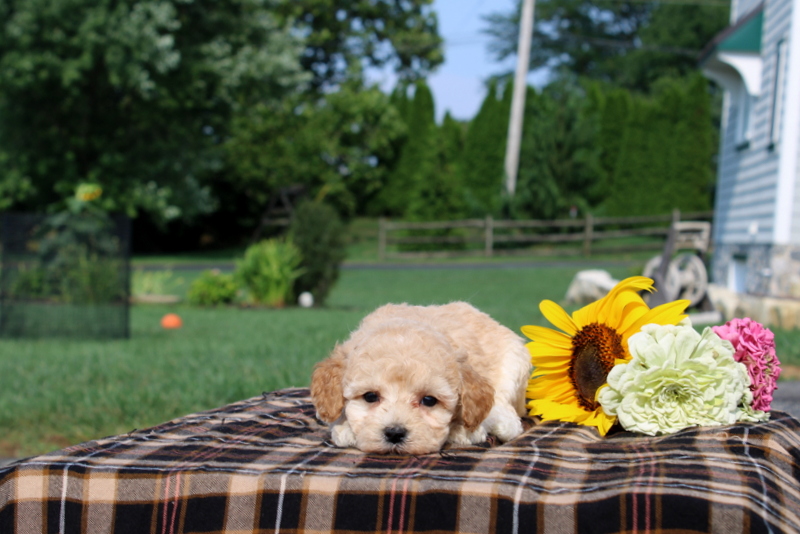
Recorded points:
789,139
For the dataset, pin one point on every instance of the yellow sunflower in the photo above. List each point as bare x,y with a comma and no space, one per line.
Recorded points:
570,367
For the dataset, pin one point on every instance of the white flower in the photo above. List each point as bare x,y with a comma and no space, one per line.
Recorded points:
678,378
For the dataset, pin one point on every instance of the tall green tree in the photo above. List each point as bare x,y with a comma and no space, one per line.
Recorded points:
417,158
133,95
613,117
344,36
667,149
439,194
626,43
696,147
482,163
670,41
580,37
346,144
560,155
634,186
340,147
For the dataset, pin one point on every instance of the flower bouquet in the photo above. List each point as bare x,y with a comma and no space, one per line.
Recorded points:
619,361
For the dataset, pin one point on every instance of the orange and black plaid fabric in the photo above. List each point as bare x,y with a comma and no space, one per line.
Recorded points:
266,465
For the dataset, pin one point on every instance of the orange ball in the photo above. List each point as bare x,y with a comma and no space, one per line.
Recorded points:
171,321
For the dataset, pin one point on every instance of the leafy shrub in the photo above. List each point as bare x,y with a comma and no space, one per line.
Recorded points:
31,282
72,257
212,288
319,234
269,270
89,278
76,276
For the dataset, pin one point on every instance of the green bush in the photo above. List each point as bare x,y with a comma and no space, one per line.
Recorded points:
269,270
212,288
90,278
319,234
32,282
77,261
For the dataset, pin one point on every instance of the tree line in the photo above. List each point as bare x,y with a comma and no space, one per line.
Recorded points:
191,116
586,147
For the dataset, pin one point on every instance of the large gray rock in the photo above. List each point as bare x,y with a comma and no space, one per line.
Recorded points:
588,286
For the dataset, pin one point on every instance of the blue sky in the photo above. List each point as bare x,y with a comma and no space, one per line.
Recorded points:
458,84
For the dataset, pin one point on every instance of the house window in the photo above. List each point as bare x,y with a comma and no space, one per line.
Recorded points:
777,94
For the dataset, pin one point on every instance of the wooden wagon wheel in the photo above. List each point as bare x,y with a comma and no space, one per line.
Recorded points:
672,286
687,277
693,277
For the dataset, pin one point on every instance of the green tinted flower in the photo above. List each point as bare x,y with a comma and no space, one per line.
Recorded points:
678,378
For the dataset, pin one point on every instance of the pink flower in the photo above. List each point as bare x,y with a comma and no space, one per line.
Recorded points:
755,348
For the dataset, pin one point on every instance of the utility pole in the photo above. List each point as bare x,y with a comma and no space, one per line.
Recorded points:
518,101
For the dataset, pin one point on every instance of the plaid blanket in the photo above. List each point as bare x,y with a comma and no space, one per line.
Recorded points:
266,465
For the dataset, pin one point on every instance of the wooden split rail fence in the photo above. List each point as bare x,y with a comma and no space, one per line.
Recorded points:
489,237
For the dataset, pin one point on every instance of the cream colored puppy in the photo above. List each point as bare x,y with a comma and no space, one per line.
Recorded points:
412,378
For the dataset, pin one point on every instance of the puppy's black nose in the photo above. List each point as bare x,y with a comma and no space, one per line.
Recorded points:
395,434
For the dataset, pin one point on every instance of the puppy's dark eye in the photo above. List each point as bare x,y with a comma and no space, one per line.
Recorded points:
429,401
371,396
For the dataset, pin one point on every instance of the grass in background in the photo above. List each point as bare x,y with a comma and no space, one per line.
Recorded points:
58,392
54,393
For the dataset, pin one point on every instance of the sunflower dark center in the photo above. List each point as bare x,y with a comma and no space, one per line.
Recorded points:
595,348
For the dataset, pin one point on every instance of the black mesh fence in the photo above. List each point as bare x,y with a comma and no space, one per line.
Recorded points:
64,275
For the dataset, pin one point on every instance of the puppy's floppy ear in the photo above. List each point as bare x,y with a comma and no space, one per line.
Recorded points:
326,386
477,397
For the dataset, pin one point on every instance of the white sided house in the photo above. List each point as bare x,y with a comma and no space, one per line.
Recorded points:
757,213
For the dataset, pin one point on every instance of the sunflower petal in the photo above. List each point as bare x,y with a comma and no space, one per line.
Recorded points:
558,317
547,335
634,284
543,392
669,313
624,304
549,373
548,390
543,350
565,398
602,421
547,380
586,315
631,317
549,410
567,412
551,363
544,389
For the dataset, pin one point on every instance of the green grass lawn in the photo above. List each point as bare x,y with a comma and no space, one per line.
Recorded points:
59,392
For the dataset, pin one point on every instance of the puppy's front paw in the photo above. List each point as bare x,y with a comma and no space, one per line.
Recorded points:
461,436
504,422
342,435
508,429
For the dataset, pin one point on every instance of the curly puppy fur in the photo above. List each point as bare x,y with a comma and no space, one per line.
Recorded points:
412,378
